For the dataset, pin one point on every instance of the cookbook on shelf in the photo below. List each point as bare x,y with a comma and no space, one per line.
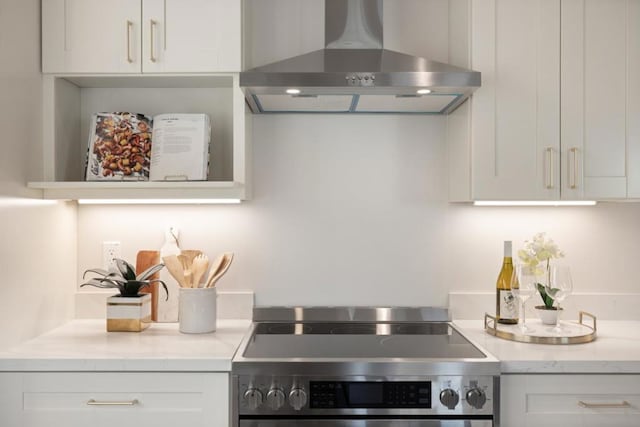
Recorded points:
134,147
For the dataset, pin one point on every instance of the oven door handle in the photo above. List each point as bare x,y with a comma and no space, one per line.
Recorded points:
363,422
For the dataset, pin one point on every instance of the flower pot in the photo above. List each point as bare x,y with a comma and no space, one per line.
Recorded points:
549,316
128,314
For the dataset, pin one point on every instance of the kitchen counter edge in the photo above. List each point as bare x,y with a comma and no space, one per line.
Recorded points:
86,346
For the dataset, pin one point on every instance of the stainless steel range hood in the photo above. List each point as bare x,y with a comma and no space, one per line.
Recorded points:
355,74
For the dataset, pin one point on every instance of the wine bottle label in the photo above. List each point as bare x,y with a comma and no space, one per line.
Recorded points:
508,305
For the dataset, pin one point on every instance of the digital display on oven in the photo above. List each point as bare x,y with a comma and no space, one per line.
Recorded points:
365,394
370,394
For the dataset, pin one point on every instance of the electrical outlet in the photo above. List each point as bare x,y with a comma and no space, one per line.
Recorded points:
110,251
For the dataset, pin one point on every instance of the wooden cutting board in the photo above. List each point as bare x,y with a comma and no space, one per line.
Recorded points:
144,260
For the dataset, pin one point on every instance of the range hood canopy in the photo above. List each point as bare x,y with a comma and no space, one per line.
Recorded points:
354,74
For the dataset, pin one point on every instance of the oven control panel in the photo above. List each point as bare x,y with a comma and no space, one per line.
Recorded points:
370,394
297,395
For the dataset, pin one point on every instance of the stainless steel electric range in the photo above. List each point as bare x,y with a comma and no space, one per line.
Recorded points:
361,367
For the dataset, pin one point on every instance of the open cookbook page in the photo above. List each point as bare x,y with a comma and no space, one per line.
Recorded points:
180,147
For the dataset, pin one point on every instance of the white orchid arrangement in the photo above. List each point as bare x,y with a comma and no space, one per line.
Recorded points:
536,256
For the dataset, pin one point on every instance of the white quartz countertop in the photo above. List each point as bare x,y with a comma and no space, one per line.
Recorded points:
85,345
615,350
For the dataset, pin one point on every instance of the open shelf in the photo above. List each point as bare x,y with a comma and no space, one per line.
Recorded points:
70,101
137,190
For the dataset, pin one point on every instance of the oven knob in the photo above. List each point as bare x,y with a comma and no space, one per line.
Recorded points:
275,398
476,398
449,398
253,397
297,398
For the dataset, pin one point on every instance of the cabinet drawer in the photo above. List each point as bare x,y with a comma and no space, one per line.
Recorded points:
125,399
571,400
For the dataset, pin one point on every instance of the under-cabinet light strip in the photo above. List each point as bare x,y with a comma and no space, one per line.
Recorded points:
158,201
535,203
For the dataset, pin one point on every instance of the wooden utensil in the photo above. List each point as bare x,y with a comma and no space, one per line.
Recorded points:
215,267
186,269
190,254
144,260
228,257
174,266
198,268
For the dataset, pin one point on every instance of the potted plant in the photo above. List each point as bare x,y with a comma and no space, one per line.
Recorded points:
536,256
130,310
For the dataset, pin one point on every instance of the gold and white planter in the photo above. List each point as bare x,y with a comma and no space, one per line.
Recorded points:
128,314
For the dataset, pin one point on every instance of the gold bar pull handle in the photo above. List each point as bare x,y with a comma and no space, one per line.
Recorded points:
93,402
583,314
622,405
549,160
573,168
152,26
129,28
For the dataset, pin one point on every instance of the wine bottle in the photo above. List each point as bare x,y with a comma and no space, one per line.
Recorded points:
506,304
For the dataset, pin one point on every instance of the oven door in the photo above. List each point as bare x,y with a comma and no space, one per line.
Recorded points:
366,423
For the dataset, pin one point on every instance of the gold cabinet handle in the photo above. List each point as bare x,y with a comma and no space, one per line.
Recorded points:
152,26
621,405
549,158
573,166
129,28
93,402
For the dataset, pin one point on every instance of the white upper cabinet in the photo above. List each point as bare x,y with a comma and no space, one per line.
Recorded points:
505,144
133,36
601,98
91,36
558,113
191,36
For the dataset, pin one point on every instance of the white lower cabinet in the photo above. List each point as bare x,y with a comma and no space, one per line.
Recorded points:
37,399
570,400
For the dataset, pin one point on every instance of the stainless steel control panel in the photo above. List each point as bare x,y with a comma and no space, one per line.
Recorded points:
358,395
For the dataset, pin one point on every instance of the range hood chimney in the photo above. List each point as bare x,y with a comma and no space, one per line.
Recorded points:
355,74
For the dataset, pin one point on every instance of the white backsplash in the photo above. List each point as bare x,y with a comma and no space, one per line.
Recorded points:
230,304
605,306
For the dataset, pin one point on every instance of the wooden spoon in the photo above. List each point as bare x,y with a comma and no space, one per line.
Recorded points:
186,269
198,268
228,257
175,269
215,267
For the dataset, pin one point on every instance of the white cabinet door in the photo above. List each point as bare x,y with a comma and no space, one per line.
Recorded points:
91,36
191,35
633,99
514,136
600,54
570,400
75,399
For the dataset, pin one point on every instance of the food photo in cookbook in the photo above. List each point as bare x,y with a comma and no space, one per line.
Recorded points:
119,147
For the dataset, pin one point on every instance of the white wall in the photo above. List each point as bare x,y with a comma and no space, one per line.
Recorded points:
37,240
352,210
346,210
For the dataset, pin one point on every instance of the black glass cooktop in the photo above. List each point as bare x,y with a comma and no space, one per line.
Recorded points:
359,340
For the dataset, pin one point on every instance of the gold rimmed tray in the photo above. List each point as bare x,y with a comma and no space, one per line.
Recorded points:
572,332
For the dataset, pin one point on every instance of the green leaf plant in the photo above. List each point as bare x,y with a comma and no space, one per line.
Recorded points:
124,278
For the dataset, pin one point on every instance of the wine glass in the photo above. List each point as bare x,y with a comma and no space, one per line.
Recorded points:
559,287
523,286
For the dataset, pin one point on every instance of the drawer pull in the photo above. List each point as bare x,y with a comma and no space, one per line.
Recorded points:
93,402
621,405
